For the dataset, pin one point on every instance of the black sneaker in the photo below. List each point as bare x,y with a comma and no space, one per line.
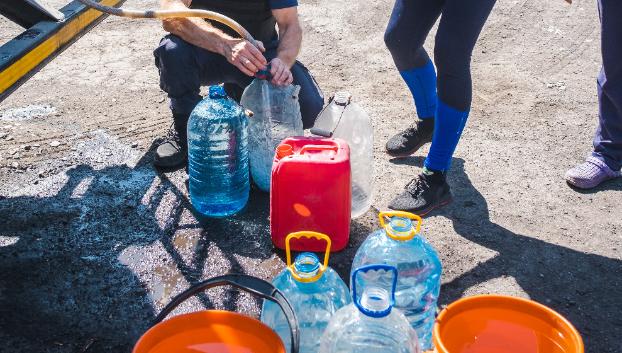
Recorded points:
173,152
426,192
410,140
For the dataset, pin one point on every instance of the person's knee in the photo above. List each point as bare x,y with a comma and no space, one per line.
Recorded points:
311,105
453,67
173,51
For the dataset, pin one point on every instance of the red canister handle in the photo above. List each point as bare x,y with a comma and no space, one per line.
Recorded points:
308,148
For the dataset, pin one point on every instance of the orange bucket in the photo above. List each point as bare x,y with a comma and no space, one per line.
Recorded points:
217,331
503,324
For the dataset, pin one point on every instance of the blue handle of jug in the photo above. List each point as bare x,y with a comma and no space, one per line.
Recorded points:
264,74
356,299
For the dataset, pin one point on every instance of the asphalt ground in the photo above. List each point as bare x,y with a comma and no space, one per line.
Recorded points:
94,241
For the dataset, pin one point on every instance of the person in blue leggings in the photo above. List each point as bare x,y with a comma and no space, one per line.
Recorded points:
441,90
605,161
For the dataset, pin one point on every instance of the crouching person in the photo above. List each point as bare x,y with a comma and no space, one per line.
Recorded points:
198,52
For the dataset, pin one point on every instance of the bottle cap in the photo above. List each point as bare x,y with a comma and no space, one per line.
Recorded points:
217,92
284,150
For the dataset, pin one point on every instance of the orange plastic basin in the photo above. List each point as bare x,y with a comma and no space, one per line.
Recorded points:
211,331
502,324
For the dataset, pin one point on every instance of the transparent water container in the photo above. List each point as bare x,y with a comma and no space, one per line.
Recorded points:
218,155
276,116
370,324
314,290
399,243
346,120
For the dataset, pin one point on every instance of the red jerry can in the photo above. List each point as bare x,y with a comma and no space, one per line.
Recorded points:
311,191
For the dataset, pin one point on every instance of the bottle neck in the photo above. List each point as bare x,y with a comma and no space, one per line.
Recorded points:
307,265
401,229
376,302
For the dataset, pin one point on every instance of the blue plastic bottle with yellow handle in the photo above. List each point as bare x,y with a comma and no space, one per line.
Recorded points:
399,243
315,291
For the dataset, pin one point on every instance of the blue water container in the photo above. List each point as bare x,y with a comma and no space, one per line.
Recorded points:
400,244
315,291
370,324
218,155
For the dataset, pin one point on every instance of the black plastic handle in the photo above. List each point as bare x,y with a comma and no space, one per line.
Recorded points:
249,284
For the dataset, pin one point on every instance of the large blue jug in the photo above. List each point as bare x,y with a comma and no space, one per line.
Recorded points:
370,324
315,291
400,244
218,155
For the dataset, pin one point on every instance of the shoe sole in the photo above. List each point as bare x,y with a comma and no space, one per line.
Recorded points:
405,154
426,211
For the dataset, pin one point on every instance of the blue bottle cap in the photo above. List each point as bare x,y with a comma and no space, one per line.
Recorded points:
217,92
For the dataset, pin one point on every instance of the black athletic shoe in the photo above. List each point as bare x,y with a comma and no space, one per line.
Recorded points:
410,140
426,192
173,152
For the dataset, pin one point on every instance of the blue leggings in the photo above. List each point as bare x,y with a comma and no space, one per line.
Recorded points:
446,96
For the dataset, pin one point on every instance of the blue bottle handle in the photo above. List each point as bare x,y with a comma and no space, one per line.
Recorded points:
356,299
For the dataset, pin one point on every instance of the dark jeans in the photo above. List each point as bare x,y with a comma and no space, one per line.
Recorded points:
608,139
460,25
185,67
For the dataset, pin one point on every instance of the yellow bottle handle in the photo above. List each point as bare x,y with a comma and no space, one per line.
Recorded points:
413,232
307,234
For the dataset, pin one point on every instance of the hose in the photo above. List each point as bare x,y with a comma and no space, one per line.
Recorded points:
209,15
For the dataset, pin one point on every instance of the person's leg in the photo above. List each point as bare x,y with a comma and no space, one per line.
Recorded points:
606,160
183,68
310,97
460,25
409,25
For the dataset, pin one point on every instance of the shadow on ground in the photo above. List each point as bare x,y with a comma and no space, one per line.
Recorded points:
585,288
64,289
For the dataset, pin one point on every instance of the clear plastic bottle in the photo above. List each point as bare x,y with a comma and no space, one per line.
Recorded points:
276,116
315,291
218,155
400,244
348,121
370,324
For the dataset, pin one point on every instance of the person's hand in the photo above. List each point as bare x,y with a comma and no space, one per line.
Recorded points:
245,56
281,75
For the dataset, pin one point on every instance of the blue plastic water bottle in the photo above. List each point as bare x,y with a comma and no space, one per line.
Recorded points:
315,291
399,244
218,155
370,324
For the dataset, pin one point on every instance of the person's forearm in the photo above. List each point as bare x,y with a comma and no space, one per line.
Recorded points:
195,30
290,41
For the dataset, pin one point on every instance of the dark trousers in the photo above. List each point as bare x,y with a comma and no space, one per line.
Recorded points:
184,68
460,25
608,138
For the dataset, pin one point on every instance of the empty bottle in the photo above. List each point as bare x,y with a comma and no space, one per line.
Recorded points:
218,155
276,116
348,121
400,244
315,291
370,324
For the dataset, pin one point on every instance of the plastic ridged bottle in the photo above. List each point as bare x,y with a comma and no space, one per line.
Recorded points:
315,291
348,121
399,244
276,116
218,155
370,324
